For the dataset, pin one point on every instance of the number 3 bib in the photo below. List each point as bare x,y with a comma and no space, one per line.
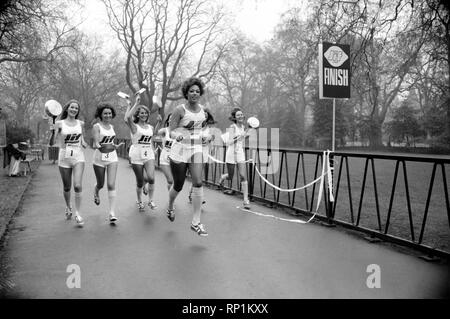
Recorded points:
109,157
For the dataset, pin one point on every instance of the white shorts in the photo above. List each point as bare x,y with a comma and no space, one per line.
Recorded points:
69,156
234,156
184,152
140,154
104,159
164,157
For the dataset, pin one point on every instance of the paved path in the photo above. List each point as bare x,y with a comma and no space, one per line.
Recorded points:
147,256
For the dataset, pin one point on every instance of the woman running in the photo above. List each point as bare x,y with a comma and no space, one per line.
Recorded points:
142,153
164,162
186,128
210,122
235,154
70,135
105,159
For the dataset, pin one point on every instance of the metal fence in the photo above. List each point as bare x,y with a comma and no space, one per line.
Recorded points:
396,198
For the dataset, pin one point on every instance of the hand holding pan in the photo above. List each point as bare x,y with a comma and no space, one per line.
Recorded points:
52,109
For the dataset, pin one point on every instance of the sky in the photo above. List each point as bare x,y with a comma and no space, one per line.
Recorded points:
256,18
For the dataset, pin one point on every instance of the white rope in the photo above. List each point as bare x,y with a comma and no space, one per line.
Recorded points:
325,163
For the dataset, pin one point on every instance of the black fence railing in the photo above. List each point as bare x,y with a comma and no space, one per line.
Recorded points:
401,199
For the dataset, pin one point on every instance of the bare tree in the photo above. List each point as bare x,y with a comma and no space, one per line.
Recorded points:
159,35
38,22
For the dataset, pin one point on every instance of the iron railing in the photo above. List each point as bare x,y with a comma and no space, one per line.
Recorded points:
401,198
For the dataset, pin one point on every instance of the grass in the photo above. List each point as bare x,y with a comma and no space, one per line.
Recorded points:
11,191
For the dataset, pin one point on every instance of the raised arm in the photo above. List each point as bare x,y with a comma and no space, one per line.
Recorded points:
128,118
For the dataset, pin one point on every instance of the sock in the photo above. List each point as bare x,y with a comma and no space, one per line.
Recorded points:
67,199
112,201
197,198
139,194
151,189
172,195
77,203
244,186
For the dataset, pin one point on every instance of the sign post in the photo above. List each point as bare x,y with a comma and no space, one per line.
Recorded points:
334,83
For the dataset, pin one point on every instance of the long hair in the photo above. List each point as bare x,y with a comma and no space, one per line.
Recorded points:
136,114
64,112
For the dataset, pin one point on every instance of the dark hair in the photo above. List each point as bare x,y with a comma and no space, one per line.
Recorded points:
190,82
233,114
101,106
209,118
66,106
135,115
166,122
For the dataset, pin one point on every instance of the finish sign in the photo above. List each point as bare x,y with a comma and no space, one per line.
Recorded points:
334,71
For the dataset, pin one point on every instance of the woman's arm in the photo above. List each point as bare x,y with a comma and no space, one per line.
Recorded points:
129,114
176,132
95,135
83,142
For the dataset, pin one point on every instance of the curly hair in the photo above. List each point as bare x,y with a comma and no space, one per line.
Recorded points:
104,105
233,114
190,82
64,112
136,114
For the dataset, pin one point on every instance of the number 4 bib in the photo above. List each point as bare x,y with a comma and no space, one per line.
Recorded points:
145,152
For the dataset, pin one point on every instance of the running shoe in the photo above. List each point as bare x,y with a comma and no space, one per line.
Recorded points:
170,214
140,206
96,199
152,204
68,213
199,229
79,220
112,218
247,204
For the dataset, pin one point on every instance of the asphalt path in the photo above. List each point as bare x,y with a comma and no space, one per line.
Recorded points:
245,256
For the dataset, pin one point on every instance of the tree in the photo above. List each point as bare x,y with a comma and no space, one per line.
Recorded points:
158,36
39,22
404,125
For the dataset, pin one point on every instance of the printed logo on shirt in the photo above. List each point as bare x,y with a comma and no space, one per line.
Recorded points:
107,139
72,138
145,139
195,124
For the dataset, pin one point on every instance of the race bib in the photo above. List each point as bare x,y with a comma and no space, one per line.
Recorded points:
146,152
109,157
72,152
